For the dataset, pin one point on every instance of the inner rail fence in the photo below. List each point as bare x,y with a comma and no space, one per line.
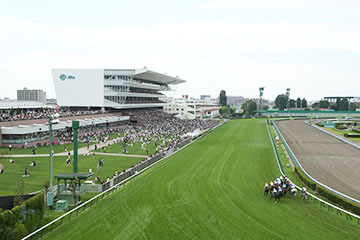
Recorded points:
323,203
298,164
333,135
113,185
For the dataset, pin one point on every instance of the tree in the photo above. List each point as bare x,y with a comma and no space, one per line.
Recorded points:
337,106
280,101
19,194
223,110
298,103
353,106
46,186
315,105
249,107
265,107
73,184
292,103
344,104
222,98
324,104
11,112
232,110
303,103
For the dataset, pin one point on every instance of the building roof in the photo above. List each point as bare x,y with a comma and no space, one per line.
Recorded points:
8,104
74,175
44,127
152,76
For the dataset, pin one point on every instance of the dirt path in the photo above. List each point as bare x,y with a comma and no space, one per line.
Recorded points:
328,160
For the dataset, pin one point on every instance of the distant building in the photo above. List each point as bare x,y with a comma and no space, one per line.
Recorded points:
192,109
235,100
31,95
206,98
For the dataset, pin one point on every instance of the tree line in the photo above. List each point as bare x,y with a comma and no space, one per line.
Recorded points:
341,104
283,102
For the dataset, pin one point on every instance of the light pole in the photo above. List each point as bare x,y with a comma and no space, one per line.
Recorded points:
50,195
261,93
287,99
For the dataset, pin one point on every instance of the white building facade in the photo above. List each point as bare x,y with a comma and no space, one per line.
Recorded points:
192,109
111,88
31,95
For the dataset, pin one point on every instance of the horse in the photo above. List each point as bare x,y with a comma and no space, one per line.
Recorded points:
280,193
266,190
275,195
293,192
304,194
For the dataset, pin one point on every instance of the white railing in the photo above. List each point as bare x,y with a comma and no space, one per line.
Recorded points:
334,135
83,206
299,188
297,163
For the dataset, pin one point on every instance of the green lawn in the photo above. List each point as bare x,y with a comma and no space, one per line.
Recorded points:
135,149
42,149
211,190
13,172
341,133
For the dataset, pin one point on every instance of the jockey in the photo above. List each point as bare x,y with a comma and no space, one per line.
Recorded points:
303,190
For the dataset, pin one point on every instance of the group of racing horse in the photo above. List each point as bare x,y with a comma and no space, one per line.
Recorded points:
280,187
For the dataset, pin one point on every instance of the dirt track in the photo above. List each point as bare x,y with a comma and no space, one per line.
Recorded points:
325,158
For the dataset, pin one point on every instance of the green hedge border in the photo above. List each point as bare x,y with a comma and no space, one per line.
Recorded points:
305,179
336,199
23,219
339,200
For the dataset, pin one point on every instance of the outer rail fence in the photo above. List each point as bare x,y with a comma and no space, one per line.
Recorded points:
297,163
124,178
334,135
316,199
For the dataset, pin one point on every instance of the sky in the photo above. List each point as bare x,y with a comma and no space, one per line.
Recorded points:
311,47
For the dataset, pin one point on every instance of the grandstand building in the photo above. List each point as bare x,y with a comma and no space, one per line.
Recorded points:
111,88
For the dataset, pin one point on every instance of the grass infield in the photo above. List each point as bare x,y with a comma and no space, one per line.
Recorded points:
13,172
210,190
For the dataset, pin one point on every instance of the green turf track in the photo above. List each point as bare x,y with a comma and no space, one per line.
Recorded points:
211,190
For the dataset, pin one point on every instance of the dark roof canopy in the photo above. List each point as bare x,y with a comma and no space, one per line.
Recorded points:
74,175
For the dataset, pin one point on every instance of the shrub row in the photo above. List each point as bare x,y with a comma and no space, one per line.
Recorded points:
23,219
353,135
340,126
356,129
339,200
305,179
320,124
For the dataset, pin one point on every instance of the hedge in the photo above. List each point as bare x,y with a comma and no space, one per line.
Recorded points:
340,126
305,179
23,219
339,200
353,135
320,124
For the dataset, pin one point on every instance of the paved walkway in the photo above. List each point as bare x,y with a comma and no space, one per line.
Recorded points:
81,151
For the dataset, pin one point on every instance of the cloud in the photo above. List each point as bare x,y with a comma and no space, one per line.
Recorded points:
211,55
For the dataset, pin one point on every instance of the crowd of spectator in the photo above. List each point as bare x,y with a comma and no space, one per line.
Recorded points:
16,115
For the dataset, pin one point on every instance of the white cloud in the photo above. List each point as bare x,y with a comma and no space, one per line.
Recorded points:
210,55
